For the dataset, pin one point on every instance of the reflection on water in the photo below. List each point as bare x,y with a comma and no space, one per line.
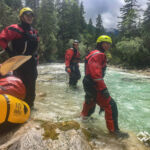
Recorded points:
55,101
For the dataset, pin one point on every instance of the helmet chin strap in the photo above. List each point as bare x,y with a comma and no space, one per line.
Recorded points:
25,25
99,47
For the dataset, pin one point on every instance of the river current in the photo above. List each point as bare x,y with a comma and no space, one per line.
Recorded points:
57,102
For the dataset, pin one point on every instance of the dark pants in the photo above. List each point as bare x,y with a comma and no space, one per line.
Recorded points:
75,74
28,74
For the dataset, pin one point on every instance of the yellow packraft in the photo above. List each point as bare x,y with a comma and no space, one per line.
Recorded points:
13,110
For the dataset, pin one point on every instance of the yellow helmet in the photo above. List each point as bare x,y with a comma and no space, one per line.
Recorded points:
25,9
104,38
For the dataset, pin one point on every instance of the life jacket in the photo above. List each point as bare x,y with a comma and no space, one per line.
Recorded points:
95,66
88,83
75,57
19,41
26,45
72,56
91,54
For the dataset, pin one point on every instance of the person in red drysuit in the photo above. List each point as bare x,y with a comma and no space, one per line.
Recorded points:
22,39
96,89
72,59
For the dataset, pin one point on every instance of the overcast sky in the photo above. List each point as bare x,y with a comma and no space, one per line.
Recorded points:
109,10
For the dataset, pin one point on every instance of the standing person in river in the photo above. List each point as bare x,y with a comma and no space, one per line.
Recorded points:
22,39
96,89
72,59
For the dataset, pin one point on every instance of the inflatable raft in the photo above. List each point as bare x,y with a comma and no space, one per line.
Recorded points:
13,110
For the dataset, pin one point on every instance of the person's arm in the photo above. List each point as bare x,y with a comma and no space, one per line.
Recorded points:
4,39
8,34
68,57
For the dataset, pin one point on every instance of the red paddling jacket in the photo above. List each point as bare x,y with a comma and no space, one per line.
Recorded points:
21,39
95,66
72,56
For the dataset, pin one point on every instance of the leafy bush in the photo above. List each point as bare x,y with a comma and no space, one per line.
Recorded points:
132,53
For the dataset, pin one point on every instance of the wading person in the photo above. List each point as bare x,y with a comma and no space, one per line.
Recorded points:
96,91
22,39
72,59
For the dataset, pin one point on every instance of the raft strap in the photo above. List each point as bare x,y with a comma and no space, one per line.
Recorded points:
8,106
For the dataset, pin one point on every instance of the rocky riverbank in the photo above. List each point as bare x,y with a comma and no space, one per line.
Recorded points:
145,72
68,135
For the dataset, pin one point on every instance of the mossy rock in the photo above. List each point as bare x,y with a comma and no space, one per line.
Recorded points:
88,133
50,128
68,125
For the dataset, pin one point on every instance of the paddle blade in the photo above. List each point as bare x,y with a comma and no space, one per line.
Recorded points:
13,63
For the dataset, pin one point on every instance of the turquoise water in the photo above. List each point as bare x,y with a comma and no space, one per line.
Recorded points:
56,102
132,94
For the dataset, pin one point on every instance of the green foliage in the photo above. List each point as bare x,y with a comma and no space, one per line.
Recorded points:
89,35
99,26
132,52
68,22
47,28
14,4
127,26
83,50
32,3
82,19
146,27
132,47
59,21
8,16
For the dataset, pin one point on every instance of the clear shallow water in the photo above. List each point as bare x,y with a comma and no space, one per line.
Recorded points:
55,101
132,94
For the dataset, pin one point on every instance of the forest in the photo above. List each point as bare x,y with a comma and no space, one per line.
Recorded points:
60,21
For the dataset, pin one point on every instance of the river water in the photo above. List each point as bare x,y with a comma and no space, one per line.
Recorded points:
56,102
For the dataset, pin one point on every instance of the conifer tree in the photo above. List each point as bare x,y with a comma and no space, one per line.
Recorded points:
7,15
69,24
90,35
47,28
90,27
99,26
82,19
14,4
32,3
146,26
129,17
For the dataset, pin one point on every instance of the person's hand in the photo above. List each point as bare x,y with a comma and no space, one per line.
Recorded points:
68,70
105,93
